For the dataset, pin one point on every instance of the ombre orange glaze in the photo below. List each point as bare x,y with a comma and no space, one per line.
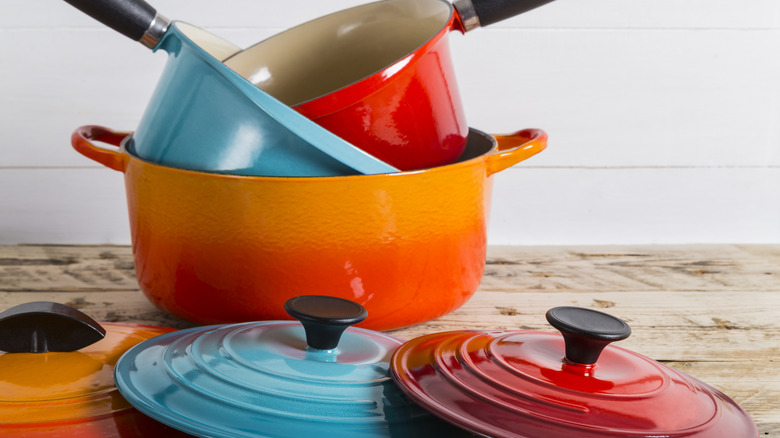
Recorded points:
73,394
215,248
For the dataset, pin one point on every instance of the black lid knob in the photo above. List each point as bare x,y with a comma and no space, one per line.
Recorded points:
324,318
44,326
586,332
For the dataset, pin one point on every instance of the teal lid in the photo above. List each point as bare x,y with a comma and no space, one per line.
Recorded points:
265,379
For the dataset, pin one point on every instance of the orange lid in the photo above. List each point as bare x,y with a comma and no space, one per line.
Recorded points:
62,385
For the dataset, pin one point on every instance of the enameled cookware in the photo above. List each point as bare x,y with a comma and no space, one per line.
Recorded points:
378,75
527,384
57,375
313,378
204,116
214,248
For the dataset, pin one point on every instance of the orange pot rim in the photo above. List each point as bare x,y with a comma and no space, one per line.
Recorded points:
506,150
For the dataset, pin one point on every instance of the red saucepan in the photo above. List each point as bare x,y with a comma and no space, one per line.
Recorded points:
378,75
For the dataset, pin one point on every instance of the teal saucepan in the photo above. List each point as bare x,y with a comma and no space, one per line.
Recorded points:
203,116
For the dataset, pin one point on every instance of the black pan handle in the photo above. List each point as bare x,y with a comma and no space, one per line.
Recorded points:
44,326
586,332
480,13
134,19
324,318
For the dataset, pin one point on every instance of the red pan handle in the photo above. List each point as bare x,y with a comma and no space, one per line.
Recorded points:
514,148
481,13
82,139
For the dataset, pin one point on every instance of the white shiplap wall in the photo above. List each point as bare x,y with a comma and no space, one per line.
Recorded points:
662,115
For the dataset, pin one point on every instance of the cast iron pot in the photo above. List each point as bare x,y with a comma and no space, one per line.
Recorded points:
213,248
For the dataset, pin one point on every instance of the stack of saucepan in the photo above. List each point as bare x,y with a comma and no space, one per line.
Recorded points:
319,377
334,157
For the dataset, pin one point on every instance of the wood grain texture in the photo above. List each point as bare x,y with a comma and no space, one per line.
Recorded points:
712,311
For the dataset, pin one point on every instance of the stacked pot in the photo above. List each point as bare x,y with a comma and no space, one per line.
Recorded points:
334,157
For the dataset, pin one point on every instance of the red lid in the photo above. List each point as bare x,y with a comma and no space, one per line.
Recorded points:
533,384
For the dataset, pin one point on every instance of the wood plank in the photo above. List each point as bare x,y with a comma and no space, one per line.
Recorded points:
79,269
709,268
676,341
126,306
666,325
600,268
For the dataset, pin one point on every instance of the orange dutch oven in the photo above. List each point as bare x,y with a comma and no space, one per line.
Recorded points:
216,248
58,375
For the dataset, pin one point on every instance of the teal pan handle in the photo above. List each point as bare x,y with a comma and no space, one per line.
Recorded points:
134,19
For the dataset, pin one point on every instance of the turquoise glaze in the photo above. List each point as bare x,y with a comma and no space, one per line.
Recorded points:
203,116
262,380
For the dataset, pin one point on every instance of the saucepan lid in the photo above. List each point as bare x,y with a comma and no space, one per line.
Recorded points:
316,377
534,384
57,369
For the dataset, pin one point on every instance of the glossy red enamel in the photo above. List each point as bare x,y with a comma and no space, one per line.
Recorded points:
518,384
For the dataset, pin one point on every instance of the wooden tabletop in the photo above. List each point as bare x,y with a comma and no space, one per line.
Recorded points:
712,311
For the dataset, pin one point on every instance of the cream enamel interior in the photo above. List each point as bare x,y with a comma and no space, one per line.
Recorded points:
210,43
334,51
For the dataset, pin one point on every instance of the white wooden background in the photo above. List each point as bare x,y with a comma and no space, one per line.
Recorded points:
663,115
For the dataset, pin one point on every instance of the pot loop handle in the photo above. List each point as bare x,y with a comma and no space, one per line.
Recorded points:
514,148
82,139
